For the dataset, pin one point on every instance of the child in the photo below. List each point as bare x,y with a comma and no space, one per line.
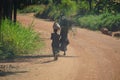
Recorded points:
55,43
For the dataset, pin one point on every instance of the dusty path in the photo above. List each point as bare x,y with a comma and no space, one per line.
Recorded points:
90,56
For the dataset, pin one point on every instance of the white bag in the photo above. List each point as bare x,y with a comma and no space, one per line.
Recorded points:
56,26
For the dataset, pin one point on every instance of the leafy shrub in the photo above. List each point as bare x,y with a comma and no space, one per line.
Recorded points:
33,8
112,22
95,22
90,22
18,40
53,11
83,8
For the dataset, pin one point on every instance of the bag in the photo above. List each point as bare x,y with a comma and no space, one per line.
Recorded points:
56,26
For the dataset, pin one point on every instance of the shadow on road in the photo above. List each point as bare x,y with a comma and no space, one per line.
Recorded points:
3,74
7,67
52,60
28,58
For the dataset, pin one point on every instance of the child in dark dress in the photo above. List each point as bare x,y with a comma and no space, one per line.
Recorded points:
55,43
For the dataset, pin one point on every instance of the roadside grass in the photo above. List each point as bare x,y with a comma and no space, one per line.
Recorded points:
95,22
32,9
18,40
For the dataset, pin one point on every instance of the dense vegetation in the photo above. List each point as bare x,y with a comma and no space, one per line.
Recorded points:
17,40
14,38
91,14
96,22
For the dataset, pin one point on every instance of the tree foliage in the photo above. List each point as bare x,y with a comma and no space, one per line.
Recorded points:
107,6
84,6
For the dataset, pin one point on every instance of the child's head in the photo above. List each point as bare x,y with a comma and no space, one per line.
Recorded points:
55,30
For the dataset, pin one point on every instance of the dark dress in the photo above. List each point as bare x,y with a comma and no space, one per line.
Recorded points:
64,39
64,34
55,42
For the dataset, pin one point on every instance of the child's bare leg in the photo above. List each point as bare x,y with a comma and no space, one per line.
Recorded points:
64,52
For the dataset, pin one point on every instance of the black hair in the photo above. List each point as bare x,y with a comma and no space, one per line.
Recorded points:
55,30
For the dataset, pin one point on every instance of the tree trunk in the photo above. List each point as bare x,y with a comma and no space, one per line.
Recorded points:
15,10
0,20
0,10
90,4
10,9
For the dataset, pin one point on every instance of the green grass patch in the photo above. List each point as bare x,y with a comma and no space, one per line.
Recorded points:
95,22
33,9
17,40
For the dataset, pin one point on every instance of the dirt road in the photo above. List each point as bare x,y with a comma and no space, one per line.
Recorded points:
90,56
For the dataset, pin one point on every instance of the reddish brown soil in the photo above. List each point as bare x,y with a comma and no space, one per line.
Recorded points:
90,56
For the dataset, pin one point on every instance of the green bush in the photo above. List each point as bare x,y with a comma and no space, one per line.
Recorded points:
91,22
17,40
53,11
83,8
112,22
33,8
95,22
